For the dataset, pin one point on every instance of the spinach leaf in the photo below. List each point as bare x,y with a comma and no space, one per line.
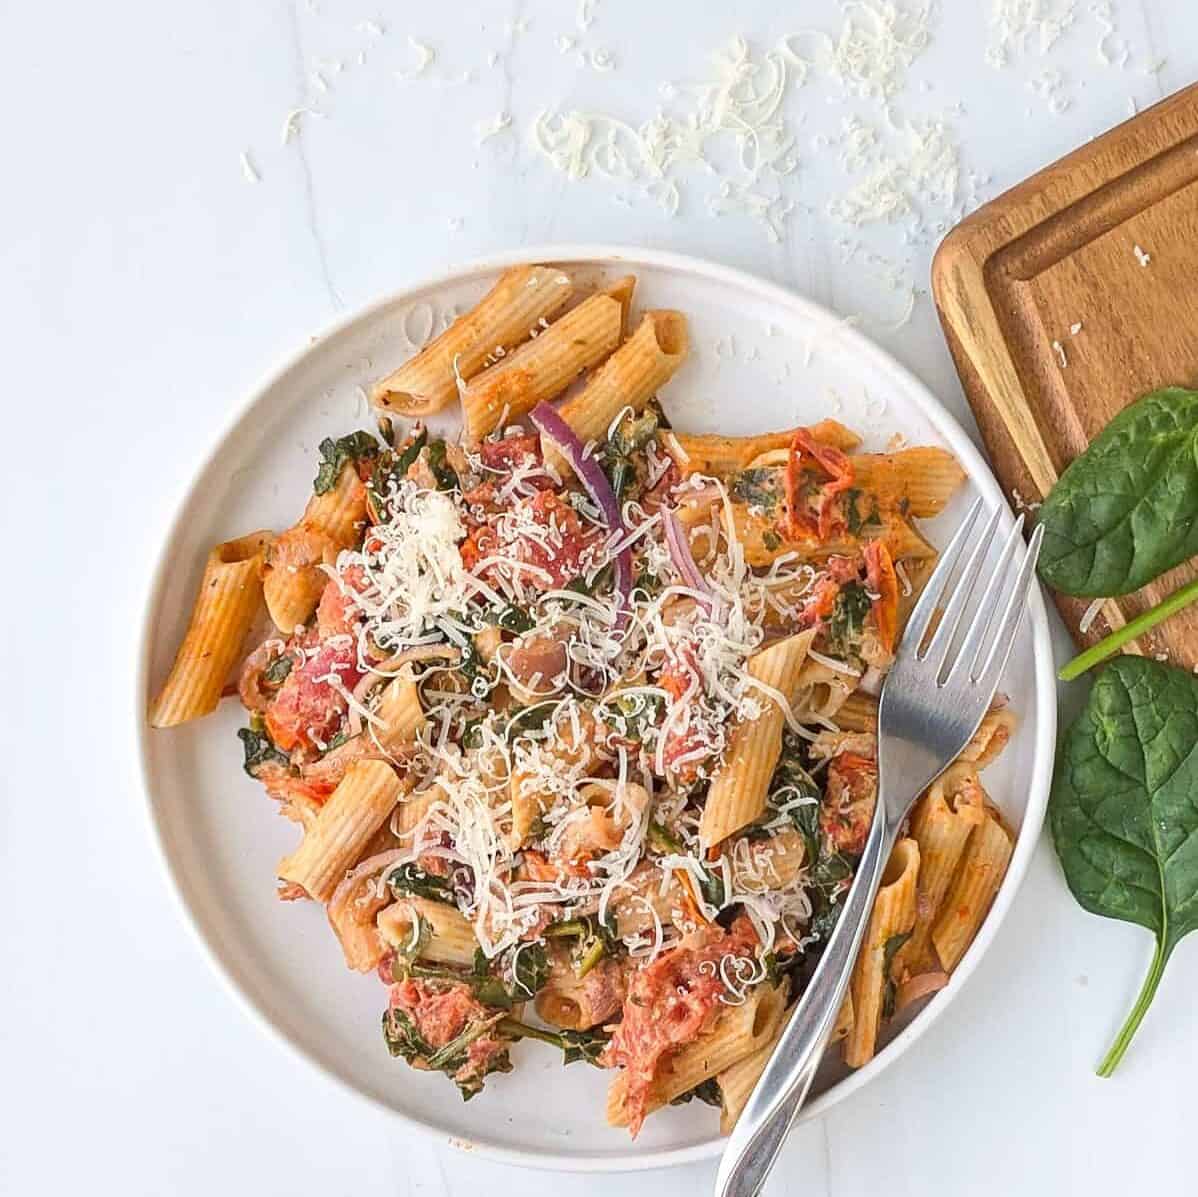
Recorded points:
1123,512
515,619
890,985
856,519
706,1091
334,454
848,617
404,1039
411,881
530,970
275,674
259,751
594,940
574,1045
443,472
760,487
1124,811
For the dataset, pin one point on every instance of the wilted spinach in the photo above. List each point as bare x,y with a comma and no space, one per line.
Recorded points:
1126,510
438,463
334,454
1124,811
403,1039
760,487
707,1091
574,1045
411,881
592,938
259,751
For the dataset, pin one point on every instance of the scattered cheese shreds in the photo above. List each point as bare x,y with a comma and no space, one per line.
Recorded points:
492,127
248,169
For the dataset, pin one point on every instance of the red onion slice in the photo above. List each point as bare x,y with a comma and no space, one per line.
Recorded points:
680,554
549,423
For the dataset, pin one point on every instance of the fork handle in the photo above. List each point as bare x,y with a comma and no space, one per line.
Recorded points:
760,1131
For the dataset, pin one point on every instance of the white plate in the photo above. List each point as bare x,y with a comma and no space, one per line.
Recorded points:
762,359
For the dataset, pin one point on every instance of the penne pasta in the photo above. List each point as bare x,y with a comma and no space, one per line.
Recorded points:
738,1032
738,791
293,578
428,930
354,907
941,824
979,874
357,808
920,481
628,379
399,713
229,597
720,456
891,921
543,368
504,318
859,713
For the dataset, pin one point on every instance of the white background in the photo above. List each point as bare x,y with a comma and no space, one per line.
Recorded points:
146,285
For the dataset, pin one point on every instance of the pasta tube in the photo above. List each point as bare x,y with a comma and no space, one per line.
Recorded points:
924,478
738,791
859,713
737,1032
980,873
504,318
629,378
355,810
542,368
444,934
229,597
892,918
941,824
723,455
293,580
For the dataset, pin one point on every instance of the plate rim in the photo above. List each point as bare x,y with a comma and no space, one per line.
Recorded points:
946,425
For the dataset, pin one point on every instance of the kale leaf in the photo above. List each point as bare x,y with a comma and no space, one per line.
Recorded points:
1124,810
1124,511
334,454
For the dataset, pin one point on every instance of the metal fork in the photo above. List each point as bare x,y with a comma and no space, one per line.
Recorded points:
933,699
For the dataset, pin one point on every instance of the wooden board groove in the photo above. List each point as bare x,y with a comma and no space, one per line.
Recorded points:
1014,281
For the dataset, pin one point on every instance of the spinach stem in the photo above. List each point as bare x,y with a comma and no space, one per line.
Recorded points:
1138,626
1147,992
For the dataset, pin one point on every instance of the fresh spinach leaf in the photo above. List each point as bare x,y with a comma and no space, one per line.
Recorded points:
334,454
1124,811
259,751
1126,510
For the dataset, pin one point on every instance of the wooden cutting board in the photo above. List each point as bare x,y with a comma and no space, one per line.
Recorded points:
1068,297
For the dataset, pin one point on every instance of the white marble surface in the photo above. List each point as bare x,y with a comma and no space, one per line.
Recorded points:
146,284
